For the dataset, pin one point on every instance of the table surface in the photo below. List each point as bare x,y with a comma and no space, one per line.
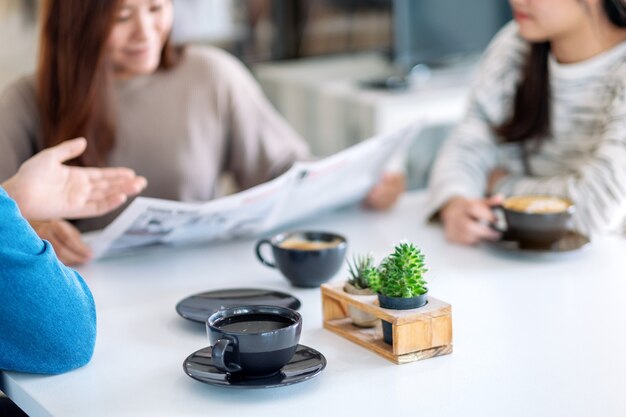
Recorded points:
533,335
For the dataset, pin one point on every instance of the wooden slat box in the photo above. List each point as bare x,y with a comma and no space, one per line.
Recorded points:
420,333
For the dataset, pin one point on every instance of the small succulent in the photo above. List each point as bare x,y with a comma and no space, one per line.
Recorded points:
401,274
360,270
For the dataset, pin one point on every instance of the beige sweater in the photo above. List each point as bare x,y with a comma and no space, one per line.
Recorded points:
180,129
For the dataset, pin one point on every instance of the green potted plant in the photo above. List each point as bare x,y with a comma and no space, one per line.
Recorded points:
360,269
399,282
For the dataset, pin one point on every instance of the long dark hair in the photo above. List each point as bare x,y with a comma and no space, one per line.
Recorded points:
531,108
74,75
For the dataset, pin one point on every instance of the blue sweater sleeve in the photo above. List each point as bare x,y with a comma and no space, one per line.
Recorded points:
47,313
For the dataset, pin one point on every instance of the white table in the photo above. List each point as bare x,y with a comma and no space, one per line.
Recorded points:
532,336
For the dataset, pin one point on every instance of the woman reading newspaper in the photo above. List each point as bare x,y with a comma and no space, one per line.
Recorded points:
181,117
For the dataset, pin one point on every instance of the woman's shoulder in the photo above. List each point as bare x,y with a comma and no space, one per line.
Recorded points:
507,49
500,68
618,73
19,124
609,78
509,35
23,90
203,61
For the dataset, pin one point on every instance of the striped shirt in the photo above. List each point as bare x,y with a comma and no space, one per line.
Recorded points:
584,156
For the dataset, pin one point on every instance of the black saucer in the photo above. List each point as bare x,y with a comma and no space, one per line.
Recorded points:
305,364
572,241
199,307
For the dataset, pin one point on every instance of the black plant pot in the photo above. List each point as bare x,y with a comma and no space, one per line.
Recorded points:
398,303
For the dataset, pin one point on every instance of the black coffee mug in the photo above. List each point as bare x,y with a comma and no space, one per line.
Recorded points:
253,340
306,259
533,229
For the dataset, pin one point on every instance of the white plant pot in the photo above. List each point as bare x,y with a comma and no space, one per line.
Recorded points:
359,317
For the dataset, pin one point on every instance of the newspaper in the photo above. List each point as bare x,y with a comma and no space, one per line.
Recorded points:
307,188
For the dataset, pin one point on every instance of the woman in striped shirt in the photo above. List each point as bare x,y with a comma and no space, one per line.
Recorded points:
547,115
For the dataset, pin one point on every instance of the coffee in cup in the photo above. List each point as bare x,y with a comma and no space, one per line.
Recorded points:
255,341
536,221
306,259
537,204
299,243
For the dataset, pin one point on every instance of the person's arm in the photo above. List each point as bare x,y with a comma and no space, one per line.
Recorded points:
470,153
458,183
48,314
262,145
457,187
66,240
598,185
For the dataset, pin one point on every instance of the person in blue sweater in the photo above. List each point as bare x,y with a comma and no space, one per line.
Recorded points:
48,317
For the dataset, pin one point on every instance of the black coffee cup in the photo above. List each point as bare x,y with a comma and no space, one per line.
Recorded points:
306,259
535,221
255,341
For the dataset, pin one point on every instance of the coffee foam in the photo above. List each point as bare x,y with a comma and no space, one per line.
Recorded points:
299,243
537,204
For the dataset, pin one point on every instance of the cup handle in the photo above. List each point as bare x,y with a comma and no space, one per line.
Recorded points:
500,224
217,353
260,256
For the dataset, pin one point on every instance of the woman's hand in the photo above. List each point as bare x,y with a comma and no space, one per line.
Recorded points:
44,188
65,239
468,221
385,194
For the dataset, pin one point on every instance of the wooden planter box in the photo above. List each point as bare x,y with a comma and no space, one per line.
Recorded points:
420,333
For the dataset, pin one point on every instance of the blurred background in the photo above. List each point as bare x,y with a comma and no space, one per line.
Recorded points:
339,70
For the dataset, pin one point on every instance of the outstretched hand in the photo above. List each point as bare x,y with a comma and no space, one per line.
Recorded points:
44,188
